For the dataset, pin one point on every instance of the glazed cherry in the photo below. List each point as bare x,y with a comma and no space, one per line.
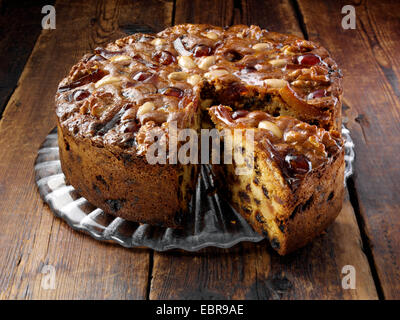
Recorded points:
223,115
201,50
317,94
142,75
164,57
79,95
173,92
233,56
149,64
308,59
239,114
298,164
91,77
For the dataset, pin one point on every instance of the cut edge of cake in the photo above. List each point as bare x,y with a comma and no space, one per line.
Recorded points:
290,209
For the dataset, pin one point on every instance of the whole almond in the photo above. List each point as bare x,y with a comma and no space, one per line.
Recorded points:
144,108
268,125
177,76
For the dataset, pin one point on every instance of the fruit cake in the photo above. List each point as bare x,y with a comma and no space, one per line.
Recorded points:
119,100
294,188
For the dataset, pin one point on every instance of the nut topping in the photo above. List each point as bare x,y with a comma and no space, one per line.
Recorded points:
287,50
292,136
186,62
206,62
212,35
215,74
121,59
158,42
194,79
177,76
145,108
275,83
129,114
272,127
278,63
246,68
107,80
262,46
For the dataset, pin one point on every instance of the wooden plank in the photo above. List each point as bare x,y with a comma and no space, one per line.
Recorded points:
254,271
31,237
273,15
20,25
369,58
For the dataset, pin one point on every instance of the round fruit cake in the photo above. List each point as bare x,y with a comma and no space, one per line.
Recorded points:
200,76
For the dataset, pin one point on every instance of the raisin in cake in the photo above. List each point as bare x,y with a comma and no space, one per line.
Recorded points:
115,98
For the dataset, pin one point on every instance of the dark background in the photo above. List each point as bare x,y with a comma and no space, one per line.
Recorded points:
366,234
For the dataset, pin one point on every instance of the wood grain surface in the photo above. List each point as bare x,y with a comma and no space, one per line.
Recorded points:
31,237
369,58
19,28
365,235
250,271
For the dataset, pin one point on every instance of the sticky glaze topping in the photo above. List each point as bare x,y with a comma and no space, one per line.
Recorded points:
170,69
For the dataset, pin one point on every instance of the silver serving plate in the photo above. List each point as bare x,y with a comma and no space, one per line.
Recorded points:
212,223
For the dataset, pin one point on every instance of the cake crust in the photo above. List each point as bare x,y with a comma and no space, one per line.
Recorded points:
124,184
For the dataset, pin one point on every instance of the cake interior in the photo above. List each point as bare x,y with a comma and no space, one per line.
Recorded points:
252,194
250,98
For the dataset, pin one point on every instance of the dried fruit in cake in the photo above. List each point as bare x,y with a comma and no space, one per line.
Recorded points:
294,188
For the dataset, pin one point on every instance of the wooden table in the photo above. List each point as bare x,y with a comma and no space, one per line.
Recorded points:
366,234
